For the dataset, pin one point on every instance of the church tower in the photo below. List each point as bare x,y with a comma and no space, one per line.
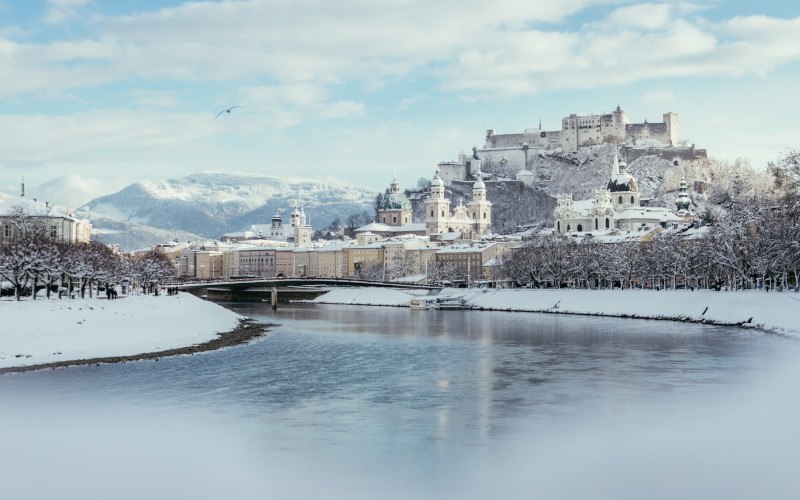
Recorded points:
302,231
624,188
480,209
437,207
276,229
683,202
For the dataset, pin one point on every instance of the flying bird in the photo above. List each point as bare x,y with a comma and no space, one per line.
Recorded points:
226,111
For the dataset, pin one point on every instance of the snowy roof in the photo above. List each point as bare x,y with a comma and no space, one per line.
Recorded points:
451,236
414,227
654,213
31,207
471,247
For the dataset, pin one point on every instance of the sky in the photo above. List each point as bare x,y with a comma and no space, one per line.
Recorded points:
96,95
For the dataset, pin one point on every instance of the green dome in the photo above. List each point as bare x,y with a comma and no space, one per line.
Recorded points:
395,201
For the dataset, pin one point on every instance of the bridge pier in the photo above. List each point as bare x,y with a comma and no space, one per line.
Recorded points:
274,293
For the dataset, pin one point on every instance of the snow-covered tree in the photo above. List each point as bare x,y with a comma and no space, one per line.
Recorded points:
369,271
151,271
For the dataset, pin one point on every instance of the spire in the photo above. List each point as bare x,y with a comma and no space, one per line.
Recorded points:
540,124
683,202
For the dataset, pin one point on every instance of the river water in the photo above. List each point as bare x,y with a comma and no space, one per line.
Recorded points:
368,402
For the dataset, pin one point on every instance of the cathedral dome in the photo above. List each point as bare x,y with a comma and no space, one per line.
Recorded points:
394,201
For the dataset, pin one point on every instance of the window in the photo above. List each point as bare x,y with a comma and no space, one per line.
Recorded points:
394,219
567,227
632,202
607,223
7,231
580,227
384,219
595,224
484,215
431,213
53,231
620,200
559,226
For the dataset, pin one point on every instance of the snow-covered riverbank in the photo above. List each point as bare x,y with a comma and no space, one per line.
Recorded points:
46,331
767,311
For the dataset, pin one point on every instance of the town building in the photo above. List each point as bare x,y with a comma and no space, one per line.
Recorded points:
469,260
15,213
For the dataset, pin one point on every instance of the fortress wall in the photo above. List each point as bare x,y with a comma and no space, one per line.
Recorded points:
508,140
684,153
657,131
492,161
452,171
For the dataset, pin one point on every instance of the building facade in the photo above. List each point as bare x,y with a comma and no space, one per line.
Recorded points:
473,220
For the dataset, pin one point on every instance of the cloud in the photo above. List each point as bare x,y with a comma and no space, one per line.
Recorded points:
659,96
61,10
409,101
473,48
156,98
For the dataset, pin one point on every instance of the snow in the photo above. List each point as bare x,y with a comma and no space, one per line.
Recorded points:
45,331
369,296
773,312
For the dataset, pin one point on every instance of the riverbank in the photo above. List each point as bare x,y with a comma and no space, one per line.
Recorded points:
52,333
773,312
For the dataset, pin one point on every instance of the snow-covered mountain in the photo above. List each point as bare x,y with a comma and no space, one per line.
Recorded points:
212,204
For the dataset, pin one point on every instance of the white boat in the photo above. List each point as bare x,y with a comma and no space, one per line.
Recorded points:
437,303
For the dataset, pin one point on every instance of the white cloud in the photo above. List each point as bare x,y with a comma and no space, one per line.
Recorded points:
156,98
60,10
643,16
409,101
477,47
659,96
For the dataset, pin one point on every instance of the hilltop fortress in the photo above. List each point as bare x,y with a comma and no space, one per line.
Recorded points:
515,156
587,130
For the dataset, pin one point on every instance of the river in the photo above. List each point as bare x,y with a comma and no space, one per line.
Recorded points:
371,402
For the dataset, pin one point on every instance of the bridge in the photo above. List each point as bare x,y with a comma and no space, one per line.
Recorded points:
283,289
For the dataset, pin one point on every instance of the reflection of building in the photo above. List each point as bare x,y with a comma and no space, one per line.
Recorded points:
472,220
616,208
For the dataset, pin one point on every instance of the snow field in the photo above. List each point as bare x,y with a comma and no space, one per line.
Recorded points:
45,331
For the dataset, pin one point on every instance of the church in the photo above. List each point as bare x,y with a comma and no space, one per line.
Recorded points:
618,207
473,220
470,221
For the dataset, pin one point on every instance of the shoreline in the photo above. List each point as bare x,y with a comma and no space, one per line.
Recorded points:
775,313
245,332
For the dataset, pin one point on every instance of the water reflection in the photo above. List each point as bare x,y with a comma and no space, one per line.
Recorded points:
409,403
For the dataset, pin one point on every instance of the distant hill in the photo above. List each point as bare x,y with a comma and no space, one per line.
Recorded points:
211,204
